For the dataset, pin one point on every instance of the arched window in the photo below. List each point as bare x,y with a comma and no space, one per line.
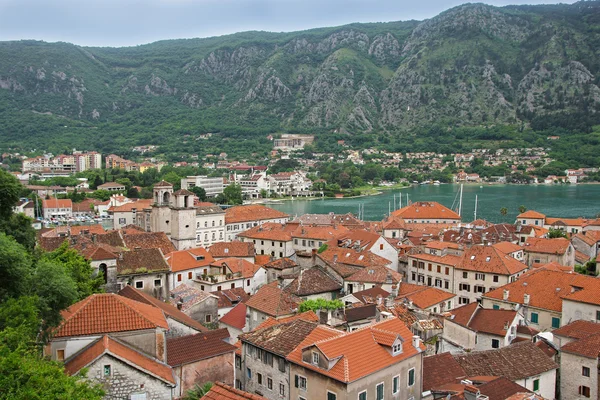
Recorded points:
103,269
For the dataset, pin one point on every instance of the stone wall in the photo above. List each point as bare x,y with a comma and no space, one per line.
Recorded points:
125,380
215,369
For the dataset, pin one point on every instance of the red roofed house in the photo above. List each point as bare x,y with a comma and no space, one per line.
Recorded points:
471,327
270,238
235,321
427,299
122,342
544,251
427,212
235,249
200,358
241,218
185,265
220,391
579,344
231,273
57,208
382,360
531,217
270,301
373,242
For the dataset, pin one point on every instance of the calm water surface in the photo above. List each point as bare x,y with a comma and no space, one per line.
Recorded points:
553,200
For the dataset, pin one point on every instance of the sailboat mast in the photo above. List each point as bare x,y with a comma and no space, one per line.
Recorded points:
474,219
460,201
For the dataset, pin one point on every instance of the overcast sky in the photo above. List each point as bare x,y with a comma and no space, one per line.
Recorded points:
132,22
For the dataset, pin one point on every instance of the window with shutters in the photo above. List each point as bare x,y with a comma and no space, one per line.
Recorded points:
362,395
269,383
315,358
259,378
495,343
411,377
379,394
395,384
248,373
60,355
281,362
584,391
300,382
555,322
534,318
536,385
585,371
281,389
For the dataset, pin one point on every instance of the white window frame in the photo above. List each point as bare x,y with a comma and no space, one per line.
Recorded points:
365,392
333,393
382,392
408,377
397,386
135,284
300,377
315,358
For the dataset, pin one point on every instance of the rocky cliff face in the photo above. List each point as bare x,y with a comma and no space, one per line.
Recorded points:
471,65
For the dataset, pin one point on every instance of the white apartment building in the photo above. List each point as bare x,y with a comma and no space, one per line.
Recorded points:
212,186
210,225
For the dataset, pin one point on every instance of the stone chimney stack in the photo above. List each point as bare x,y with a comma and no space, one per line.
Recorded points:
505,294
526,299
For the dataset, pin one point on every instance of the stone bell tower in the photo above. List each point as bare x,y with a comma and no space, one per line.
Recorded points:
160,217
183,220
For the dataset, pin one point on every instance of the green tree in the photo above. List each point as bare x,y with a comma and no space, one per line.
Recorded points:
522,209
101,195
56,290
19,227
78,268
556,233
10,188
233,194
173,178
198,391
320,304
20,320
15,268
199,192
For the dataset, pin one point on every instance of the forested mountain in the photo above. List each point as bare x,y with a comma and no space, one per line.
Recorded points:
473,65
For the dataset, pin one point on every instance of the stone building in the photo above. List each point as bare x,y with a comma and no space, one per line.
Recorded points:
544,251
201,306
241,218
270,301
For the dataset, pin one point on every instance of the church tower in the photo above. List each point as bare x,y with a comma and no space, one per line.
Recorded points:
183,220
160,217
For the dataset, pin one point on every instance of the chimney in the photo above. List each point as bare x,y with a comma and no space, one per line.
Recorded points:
314,257
416,342
335,258
180,304
94,238
120,256
505,294
526,299
505,325
471,392
394,292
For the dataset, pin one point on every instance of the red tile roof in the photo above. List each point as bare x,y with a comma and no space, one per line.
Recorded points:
311,282
323,233
252,213
280,339
547,289
490,260
369,296
168,309
547,246
309,316
108,345
358,353
376,274
149,240
492,321
236,317
281,264
351,257
105,313
514,362
141,261
238,266
463,314
423,296
578,329
188,349
220,391
128,207
507,247
184,260
429,210
530,214
273,301
448,259
356,238
270,231
232,249
57,203
187,296
230,297
439,370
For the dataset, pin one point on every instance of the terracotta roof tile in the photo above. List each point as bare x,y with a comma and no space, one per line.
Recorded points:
184,260
553,266
251,213
518,361
351,257
357,238
426,210
587,239
236,317
358,354
281,264
168,309
448,259
312,281
188,349
220,391
238,266
462,315
108,345
280,339
230,297
492,321
129,207
531,214
232,249
370,295
188,296
273,301
323,233
425,296
57,203
587,347
141,261
262,259
566,221
439,370
361,312
309,316
547,289
149,240
270,231
491,260
507,247
105,313
578,329
376,274
547,246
